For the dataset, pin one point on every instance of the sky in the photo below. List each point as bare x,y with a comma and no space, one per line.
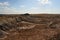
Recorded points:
29,6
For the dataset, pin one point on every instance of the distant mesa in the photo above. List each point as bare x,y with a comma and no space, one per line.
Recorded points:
26,14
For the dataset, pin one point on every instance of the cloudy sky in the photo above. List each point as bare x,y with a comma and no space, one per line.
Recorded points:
30,6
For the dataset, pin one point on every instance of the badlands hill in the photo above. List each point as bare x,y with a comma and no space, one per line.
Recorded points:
30,27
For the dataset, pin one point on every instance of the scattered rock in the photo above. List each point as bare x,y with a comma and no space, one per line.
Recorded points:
18,19
55,37
2,35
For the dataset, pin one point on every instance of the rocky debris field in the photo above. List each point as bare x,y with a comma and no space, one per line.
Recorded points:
30,27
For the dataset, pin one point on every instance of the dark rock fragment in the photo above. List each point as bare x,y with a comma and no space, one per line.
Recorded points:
55,37
5,27
18,19
2,35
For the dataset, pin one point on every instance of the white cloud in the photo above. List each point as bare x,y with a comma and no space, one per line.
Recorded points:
38,0
4,4
5,9
10,10
22,6
33,10
44,2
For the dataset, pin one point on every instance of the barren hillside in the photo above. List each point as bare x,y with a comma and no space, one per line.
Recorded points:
30,27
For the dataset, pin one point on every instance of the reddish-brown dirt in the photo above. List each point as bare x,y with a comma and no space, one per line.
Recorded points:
30,27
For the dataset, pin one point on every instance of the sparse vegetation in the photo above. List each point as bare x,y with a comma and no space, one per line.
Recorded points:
30,27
